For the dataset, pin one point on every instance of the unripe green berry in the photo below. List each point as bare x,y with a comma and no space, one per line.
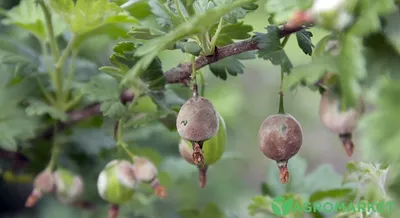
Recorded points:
116,183
69,187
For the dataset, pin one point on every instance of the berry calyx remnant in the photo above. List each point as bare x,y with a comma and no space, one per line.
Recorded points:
280,138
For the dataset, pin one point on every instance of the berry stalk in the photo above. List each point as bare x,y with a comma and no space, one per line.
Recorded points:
203,176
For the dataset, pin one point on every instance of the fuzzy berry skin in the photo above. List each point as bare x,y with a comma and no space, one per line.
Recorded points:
44,182
280,137
213,148
337,121
69,187
116,183
144,170
197,120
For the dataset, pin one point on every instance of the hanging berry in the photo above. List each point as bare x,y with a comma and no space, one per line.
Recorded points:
68,186
197,122
116,183
213,150
43,183
146,172
280,138
340,122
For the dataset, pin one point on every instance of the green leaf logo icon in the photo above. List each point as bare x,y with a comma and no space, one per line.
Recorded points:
281,206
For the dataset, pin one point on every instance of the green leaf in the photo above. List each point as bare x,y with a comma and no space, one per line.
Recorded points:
365,172
339,193
380,128
15,124
30,17
304,41
164,14
196,24
234,15
85,16
139,9
352,68
124,59
270,48
322,178
260,204
370,11
20,57
309,74
38,108
212,210
284,10
190,213
230,65
392,30
91,140
107,91
145,33
230,32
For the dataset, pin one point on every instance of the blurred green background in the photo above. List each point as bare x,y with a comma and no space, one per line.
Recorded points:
244,101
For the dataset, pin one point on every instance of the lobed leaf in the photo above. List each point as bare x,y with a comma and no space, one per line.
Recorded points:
230,32
38,108
352,68
196,24
369,13
15,124
230,65
304,41
270,48
85,16
30,17
106,90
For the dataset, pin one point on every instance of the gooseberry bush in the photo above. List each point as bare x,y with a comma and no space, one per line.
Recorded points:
82,125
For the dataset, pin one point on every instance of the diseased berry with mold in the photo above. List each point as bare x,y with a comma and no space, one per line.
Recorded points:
197,122
280,138
340,122
43,184
146,172
213,150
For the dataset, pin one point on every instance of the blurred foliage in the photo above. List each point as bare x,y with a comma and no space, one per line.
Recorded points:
92,50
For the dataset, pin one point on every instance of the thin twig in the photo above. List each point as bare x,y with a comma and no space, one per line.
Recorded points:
177,74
